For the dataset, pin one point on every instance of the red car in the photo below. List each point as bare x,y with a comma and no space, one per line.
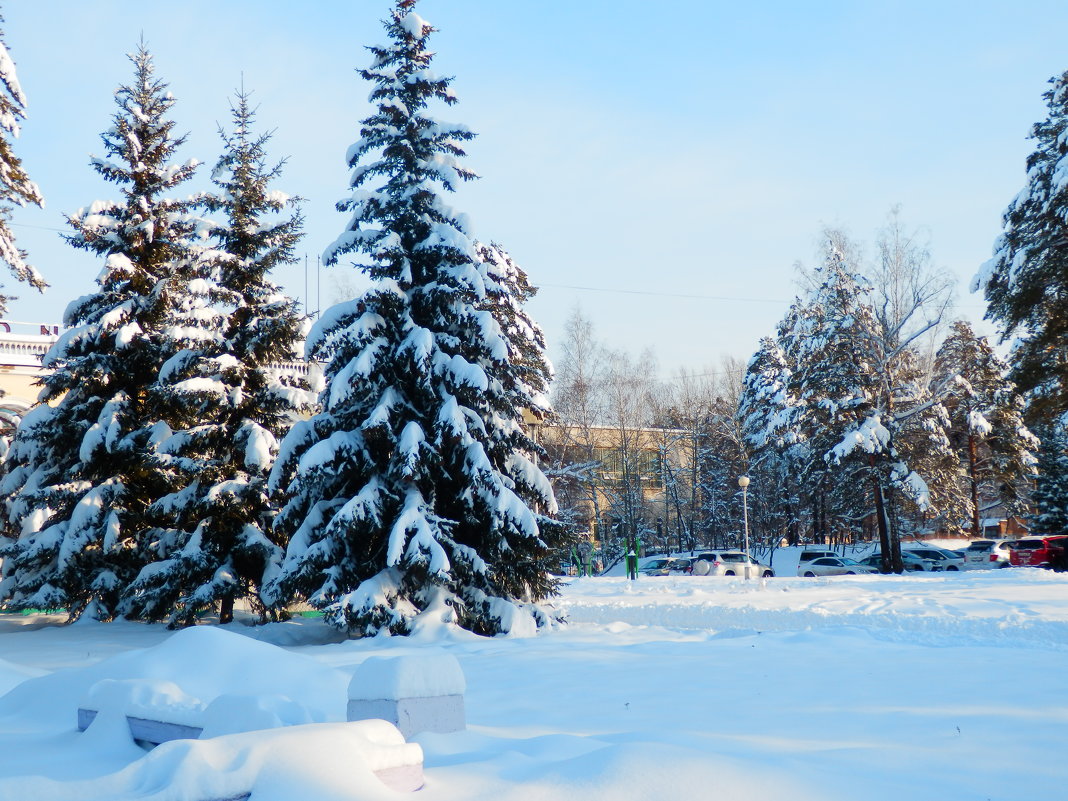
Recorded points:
1043,551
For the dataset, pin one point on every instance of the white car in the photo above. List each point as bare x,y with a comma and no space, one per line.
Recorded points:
811,554
986,554
943,559
833,566
910,561
729,563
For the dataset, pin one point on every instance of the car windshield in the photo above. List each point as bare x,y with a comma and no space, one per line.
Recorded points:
984,545
1029,545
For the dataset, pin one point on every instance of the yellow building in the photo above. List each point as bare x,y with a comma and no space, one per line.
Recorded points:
602,474
22,346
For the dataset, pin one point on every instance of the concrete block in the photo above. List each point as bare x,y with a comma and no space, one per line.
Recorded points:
415,693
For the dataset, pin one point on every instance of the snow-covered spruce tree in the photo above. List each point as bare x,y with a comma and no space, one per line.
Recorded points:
413,493
80,478
1026,280
227,397
16,188
986,424
863,406
1050,495
764,415
827,340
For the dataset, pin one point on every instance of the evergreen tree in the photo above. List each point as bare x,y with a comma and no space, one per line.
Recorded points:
228,397
833,385
866,420
414,491
1026,280
1050,495
765,415
986,429
16,188
80,477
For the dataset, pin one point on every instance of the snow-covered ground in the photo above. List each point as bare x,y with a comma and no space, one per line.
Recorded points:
944,687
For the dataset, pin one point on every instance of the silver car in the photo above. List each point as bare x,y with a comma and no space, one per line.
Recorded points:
730,563
943,559
986,554
663,566
833,566
910,561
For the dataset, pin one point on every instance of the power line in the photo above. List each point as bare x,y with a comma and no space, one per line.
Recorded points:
39,227
663,294
972,304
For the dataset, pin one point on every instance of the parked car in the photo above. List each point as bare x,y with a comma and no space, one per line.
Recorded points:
654,567
664,566
833,566
984,554
1041,551
730,563
681,564
945,560
812,554
912,562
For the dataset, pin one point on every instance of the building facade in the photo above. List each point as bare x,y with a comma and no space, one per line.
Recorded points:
22,348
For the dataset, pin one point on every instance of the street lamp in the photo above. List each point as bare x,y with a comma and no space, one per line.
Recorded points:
743,482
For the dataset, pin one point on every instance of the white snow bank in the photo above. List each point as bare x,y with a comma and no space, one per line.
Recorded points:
866,688
12,675
328,762
202,662
233,714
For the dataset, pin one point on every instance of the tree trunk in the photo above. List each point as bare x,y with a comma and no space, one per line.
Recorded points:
889,546
226,609
972,459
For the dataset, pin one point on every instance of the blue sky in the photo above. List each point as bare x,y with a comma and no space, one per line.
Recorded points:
692,150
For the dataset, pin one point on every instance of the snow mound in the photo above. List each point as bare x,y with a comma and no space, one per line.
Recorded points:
144,698
11,675
234,714
202,663
416,676
332,761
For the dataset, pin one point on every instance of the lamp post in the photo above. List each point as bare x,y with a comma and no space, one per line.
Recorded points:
743,482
